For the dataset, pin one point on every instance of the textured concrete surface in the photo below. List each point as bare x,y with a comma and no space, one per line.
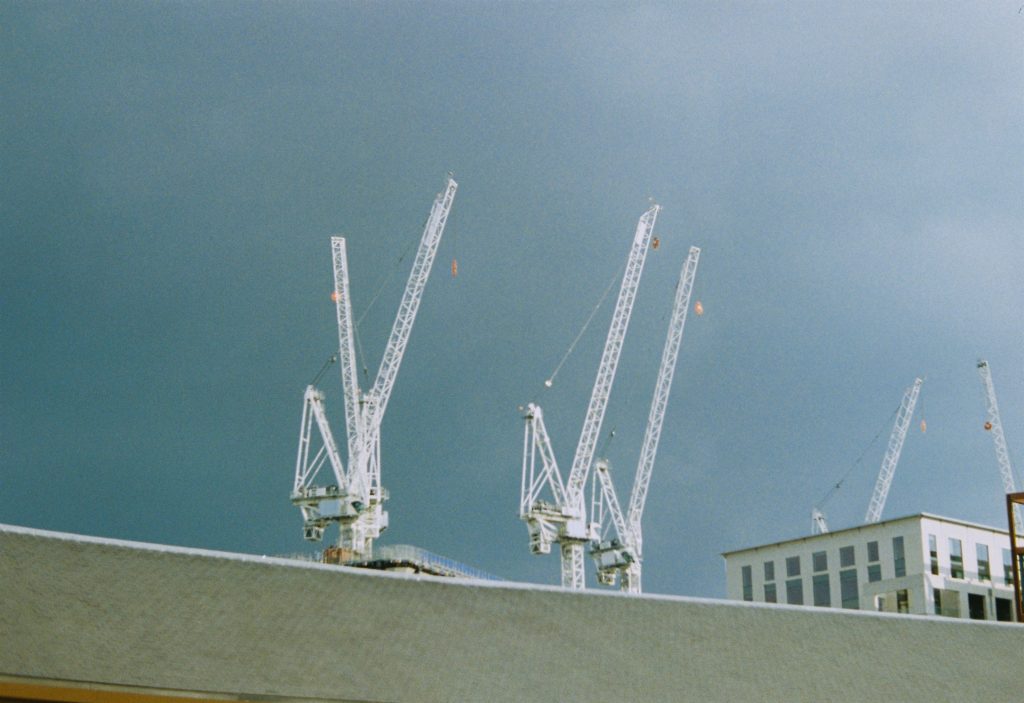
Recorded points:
78,609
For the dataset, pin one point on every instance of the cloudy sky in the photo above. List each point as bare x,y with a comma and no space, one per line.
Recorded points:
172,173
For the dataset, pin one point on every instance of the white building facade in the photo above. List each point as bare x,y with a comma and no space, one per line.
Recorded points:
922,564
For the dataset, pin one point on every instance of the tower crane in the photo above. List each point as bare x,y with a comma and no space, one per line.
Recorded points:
995,425
892,453
623,555
564,519
356,499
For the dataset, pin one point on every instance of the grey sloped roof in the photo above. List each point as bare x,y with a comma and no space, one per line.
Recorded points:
79,609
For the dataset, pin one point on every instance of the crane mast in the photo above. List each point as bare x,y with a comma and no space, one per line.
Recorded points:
624,554
892,453
565,520
994,424
357,498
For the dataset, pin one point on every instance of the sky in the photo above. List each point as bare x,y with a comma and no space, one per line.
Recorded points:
173,172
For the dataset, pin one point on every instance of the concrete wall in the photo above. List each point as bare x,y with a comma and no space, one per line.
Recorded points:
146,618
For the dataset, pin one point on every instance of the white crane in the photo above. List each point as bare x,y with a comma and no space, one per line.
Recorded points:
892,453
564,519
623,555
355,501
995,425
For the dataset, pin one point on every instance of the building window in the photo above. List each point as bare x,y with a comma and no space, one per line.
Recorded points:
898,559
848,588
846,556
770,596
933,552
822,597
956,559
895,602
792,566
976,606
1007,568
819,560
795,592
872,551
1004,610
769,571
947,602
984,570
748,583
902,601
874,572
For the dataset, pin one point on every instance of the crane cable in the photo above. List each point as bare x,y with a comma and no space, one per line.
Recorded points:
888,423
373,299
551,379
330,360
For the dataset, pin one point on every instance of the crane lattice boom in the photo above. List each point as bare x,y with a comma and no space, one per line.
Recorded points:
624,555
656,416
610,356
892,453
346,346
995,425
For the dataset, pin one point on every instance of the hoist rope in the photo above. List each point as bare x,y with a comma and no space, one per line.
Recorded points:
888,423
551,378
380,288
330,360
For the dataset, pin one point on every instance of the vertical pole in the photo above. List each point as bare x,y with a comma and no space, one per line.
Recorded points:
1016,552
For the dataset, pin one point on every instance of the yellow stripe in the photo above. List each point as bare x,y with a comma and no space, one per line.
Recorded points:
65,694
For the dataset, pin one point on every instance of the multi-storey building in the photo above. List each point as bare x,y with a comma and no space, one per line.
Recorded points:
921,564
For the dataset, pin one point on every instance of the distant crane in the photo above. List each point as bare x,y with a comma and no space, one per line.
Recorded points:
995,425
623,554
819,524
355,500
892,453
564,519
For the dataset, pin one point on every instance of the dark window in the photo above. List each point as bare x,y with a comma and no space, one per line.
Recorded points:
748,583
902,601
1007,568
769,593
976,606
874,572
769,571
846,556
937,597
848,588
899,561
872,551
933,552
984,570
795,592
822,596
1004,610
819,560
792,566
956,559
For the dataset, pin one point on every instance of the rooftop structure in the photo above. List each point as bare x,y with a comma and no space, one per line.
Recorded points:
921,564
413,560
88,619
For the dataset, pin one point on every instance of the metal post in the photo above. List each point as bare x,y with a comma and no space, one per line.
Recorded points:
1016,551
